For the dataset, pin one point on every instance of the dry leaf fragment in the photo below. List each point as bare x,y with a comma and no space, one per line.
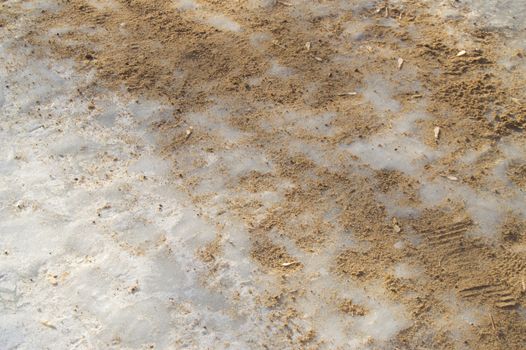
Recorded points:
400,62
308,45
437,132
516,100
287,264
284,3
461,53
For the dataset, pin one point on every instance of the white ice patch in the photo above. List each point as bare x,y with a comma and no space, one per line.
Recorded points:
199,13
487,209
392,202
260,40
186,4
261,3
498,13
393,153
459,319
319,306
277,70
403,270
222,22
150,165
379,93
215,120
396,148
2,94
104,4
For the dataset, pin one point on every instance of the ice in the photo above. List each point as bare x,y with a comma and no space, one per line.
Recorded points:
222,22
379,93
217,20
279,71
464,318
261,3
186,4
393,203
151,166
499,13
2,94
260,40
487,209
393,151
214,120
383,320
99,243
403,270
104,4
396,148
47,5
101,239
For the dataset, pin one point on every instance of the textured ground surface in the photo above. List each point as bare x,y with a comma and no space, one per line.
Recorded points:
262,174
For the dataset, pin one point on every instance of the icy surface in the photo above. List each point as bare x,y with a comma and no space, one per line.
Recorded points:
99,241
499,13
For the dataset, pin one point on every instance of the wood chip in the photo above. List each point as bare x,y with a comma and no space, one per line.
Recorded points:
450,177
53,279
437,132
523,285
284,3
353,93
516,100
461,53
319,59
47,324
396,227
492,322
379,9
308,45
287,264
400,62
189,132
